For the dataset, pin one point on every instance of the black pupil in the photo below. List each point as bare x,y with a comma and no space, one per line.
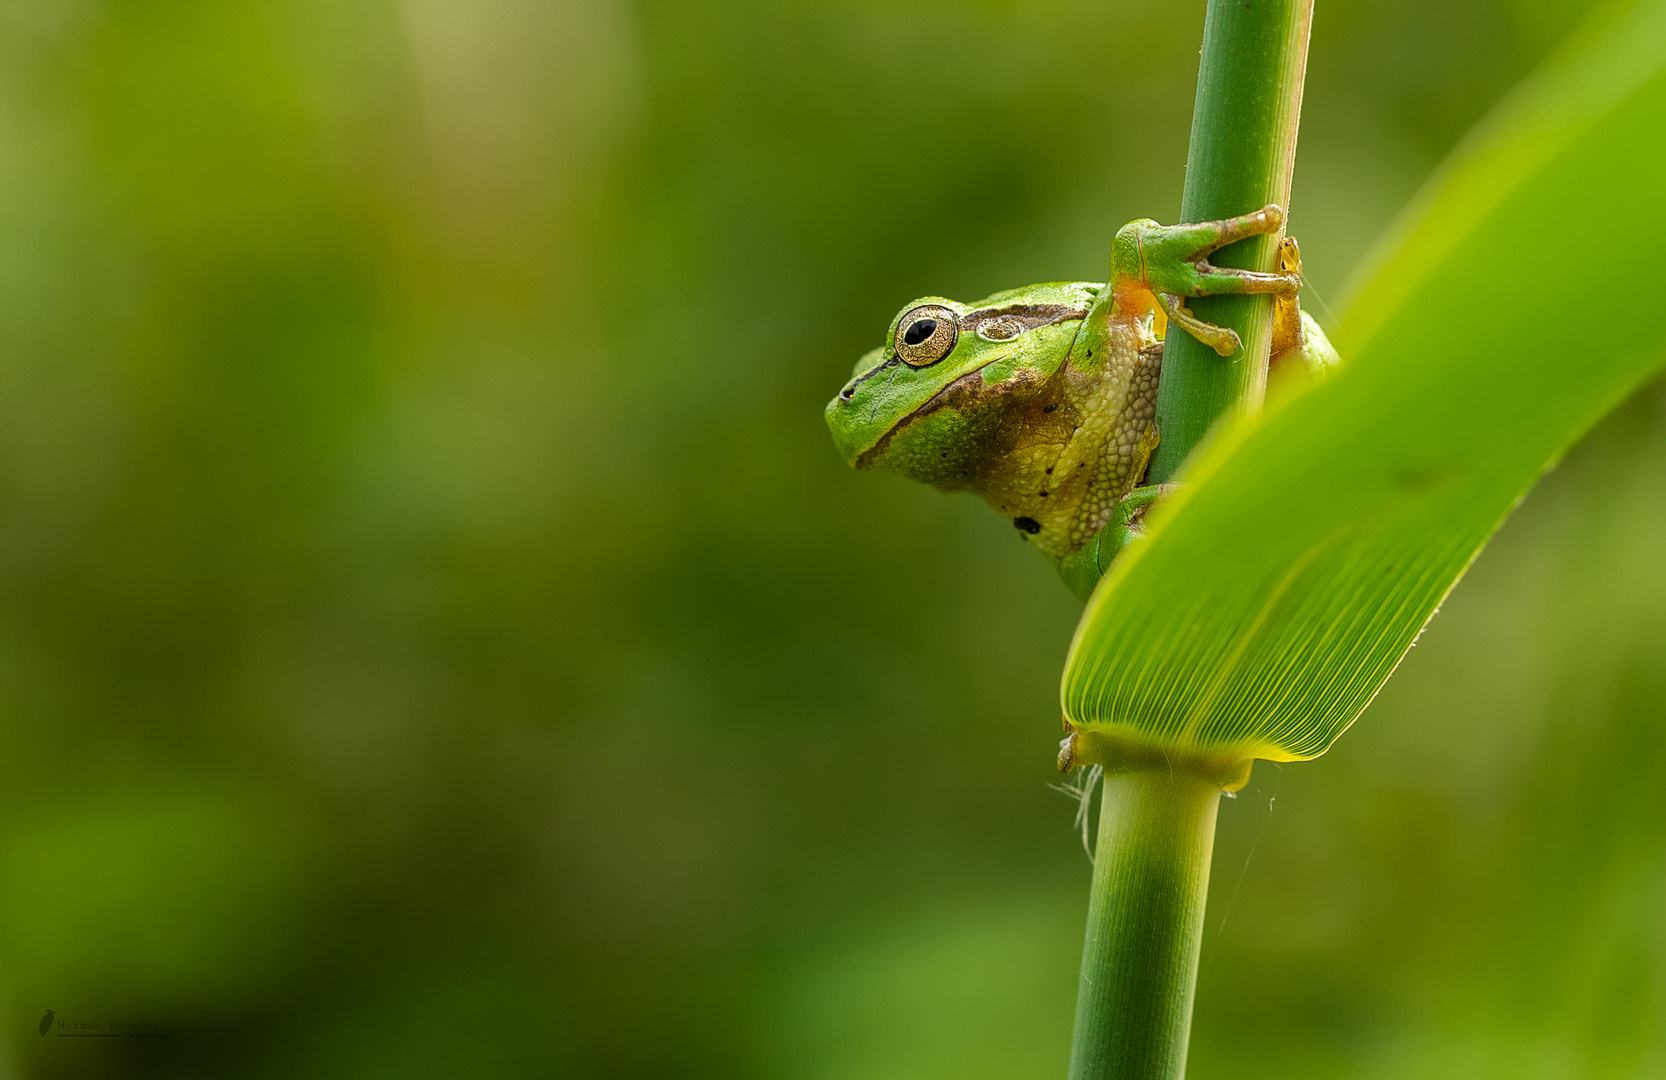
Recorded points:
919,330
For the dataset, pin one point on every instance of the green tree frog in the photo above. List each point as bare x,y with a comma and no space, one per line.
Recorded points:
1042,400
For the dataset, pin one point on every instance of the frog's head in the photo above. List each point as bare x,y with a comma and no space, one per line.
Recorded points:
955,387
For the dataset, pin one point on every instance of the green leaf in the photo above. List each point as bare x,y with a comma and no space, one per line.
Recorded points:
1513,306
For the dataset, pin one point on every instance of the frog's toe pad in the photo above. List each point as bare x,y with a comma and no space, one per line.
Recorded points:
1223,340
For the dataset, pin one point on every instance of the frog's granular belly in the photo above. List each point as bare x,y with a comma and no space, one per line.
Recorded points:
1118,469
1077,451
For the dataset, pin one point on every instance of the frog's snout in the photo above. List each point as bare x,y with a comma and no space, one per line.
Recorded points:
850,423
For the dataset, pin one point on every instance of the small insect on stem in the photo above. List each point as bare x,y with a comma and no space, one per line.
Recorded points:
1079,788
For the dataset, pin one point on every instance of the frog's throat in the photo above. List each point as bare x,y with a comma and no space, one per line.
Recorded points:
866,458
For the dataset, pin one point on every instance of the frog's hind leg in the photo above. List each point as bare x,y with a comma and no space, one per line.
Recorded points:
1081,570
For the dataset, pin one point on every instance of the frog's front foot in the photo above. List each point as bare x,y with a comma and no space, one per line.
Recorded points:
1172,262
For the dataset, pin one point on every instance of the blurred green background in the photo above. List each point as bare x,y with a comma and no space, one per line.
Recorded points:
437,637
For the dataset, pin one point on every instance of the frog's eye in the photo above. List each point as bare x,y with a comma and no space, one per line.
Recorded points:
926,334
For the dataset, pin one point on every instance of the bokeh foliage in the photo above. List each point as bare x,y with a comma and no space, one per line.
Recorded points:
437,639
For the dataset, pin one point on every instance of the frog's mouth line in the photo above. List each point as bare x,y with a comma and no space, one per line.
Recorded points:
930,405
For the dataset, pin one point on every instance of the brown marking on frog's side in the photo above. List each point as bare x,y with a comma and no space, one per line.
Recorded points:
966,390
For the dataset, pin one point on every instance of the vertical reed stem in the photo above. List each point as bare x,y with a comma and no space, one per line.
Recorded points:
1243,149
1145,923
1157,825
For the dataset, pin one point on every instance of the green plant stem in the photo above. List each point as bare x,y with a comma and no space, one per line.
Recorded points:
1157,823
1243,149
1145,923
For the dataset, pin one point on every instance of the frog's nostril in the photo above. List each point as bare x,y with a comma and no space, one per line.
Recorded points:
848,392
